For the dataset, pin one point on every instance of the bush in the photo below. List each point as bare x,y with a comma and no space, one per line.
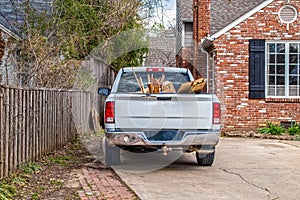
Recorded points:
294,130
272,129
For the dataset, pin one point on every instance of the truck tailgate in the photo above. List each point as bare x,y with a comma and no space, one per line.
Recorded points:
163,111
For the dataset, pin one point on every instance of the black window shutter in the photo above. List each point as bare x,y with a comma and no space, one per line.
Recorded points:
257,69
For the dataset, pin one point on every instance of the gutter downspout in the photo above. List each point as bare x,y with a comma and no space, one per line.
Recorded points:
213,71
204,44
207,66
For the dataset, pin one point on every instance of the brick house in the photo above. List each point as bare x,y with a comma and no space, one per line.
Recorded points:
253,58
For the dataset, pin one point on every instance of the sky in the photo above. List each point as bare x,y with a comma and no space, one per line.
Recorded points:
169,16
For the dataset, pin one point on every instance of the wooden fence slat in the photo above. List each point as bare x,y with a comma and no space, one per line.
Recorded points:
15,129
23,111
2,131
11,131
6,155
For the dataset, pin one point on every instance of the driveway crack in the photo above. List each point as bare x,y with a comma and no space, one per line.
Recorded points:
250,183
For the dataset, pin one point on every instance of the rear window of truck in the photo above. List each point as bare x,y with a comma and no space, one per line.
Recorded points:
168,82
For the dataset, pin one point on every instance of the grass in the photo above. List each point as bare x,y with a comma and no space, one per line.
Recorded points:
7,191
60,159
8,186
56,183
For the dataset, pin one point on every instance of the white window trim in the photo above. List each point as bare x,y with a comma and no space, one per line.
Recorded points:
286,42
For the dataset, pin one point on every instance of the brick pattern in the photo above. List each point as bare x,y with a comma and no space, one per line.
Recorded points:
231,77
201,19
102,185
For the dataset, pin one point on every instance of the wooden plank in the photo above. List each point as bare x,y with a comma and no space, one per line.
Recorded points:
31,126
6,133
58,114
19,126
15,128
23,125
48,115
2,131
42,122
53,133
37,125
11,130
28,125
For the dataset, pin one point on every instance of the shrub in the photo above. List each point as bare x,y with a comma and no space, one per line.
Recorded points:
272,129
294,130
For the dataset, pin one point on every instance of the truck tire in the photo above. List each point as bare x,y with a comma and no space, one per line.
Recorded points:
112,154
205,159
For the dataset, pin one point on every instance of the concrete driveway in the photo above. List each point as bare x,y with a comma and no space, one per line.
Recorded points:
243,169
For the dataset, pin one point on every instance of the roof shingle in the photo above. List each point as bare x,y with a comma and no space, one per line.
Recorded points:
223,13
12,12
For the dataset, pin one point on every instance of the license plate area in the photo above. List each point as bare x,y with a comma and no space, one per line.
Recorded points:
164,135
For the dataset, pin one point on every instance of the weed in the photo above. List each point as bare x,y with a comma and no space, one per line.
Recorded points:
35,196
61,160
30,168
7,191
19,180
100,133
56,182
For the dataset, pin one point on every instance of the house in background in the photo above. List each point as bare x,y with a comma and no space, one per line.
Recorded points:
11,17
7,68
161,50
184,39
253,62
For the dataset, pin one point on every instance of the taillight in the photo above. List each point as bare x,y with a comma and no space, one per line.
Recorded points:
109,116
216,113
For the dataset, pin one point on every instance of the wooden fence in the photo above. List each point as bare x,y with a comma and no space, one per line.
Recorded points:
105,75
33,122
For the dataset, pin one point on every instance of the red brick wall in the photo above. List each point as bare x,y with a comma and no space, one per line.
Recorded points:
202,16
232,70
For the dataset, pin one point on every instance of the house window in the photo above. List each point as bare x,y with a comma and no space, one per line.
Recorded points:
282,69
187,34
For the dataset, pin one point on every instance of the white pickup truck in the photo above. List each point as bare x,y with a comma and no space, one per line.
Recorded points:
139,118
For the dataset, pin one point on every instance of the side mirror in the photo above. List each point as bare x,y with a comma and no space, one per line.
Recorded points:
104,91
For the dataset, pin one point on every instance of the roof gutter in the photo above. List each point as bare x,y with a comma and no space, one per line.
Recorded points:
9,32
207,42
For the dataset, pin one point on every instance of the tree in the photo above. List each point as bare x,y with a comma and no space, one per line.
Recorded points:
56,40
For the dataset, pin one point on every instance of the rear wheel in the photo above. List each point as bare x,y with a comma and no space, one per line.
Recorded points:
205,159
112,154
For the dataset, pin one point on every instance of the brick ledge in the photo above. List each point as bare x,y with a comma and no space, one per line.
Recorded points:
282,100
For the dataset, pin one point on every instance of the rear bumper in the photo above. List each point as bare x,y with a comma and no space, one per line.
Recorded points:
190,138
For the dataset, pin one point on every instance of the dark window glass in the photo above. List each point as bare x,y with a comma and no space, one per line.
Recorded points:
280,48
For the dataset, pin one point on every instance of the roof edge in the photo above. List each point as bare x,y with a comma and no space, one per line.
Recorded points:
187,20
241,19
8,32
